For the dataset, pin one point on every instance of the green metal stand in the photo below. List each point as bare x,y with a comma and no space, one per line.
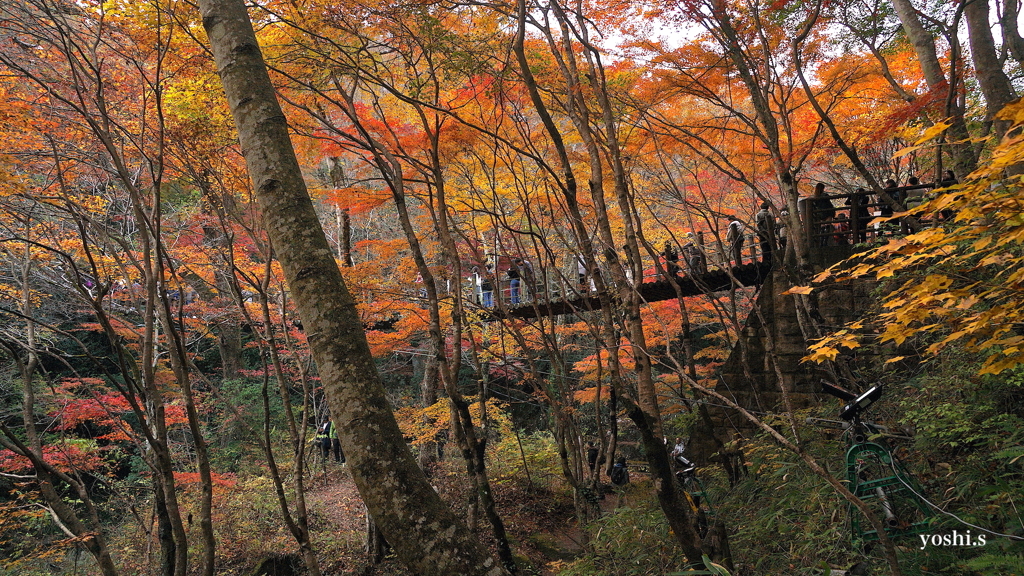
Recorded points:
881,481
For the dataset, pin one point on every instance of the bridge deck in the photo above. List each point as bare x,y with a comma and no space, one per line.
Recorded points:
712,281
834,232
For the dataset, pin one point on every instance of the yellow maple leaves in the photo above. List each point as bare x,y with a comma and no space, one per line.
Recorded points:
424,425
925,139
961,282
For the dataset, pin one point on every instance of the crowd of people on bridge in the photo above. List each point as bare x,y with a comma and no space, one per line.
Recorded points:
517,283
851,223
832,224
521,281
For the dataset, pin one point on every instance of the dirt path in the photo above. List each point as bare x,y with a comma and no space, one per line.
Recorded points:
336,501
547,536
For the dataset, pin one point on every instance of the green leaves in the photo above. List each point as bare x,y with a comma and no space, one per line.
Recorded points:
711,569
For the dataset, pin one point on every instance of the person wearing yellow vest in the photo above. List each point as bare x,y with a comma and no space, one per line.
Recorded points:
327,437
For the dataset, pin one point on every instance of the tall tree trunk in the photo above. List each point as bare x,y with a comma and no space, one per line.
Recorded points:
1011,32
338,180
922,41
427,536
428,392
179,365
994,83
297,521
164,532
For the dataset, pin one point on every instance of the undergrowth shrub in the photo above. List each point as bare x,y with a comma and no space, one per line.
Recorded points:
783,519
248,524
969,445
536,462
632,541
30,542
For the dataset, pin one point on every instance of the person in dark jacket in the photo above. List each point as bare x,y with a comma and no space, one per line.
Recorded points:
514,274
822,213
890,189
327,437
765,221
671,257
620,478
734,237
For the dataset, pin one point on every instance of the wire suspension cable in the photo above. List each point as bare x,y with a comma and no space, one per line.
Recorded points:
892,464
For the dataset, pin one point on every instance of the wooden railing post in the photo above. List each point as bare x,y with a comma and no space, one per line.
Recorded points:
703,253
855,223
806,215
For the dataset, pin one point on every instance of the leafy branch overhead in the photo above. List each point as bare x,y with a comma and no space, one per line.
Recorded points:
961,282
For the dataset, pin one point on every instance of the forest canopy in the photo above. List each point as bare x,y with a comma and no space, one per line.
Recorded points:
330,288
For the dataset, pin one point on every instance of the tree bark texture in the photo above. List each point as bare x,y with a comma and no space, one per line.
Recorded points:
1010,9
965,159
994,83
426,535
922,41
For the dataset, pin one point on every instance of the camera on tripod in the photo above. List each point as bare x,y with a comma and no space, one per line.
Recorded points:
856,405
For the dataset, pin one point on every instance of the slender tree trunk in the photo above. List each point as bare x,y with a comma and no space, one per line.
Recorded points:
179,365
339,179
922,41
677,512
426,535
297,522
164,532
428,393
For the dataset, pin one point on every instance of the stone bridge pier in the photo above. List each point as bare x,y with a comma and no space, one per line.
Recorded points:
766,360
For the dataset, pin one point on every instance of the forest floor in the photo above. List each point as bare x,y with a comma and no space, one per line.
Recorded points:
541,525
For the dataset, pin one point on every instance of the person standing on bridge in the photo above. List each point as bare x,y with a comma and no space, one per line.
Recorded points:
734,237
693,255
891,189
781,231
514,281
581,271
765,221
628,264
529,278
859,214
913,187
487,286
823,213
478,283
671,257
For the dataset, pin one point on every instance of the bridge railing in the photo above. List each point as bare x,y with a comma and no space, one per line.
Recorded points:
564,282
849,220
